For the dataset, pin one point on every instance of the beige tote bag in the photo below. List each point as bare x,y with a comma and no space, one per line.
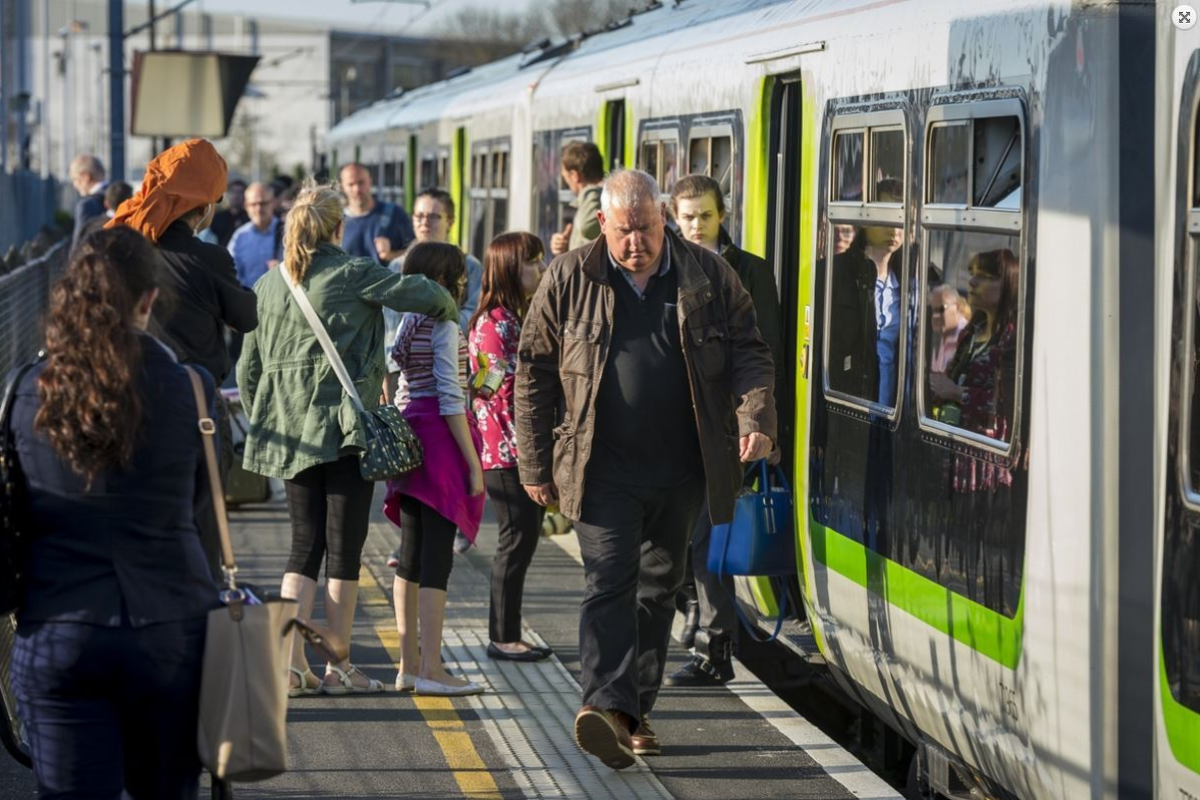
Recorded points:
243,685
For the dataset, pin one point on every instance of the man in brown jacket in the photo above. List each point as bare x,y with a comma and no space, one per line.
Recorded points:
632,355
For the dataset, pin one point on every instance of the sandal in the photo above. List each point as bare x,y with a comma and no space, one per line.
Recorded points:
348,686
303,686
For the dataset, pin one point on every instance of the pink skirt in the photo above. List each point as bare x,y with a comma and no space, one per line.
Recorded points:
443,481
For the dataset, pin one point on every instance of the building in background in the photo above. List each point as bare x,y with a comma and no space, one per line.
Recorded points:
309,77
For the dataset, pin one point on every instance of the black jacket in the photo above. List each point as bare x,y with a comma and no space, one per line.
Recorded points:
853,331
759,281
86,209
129,545
206,297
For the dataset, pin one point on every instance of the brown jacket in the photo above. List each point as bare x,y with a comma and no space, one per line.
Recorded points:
564,346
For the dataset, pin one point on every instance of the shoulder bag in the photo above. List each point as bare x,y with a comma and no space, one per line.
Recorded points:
392,447
15,522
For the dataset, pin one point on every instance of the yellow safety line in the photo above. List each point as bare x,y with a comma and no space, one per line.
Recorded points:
470,773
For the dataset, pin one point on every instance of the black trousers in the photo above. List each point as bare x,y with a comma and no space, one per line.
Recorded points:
111,710
330,508
634,542
520,529
426,545
718,619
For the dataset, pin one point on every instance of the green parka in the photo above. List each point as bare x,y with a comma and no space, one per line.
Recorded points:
299,415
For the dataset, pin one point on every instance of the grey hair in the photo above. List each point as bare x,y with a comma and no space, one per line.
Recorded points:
629,188
89,164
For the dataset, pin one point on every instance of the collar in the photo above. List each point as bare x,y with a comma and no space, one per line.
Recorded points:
664,265
170,353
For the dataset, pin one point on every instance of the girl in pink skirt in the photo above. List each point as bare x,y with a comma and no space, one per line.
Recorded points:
446,491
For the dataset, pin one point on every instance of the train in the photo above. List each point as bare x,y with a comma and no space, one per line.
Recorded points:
1015,592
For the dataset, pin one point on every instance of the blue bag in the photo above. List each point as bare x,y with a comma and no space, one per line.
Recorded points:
761,539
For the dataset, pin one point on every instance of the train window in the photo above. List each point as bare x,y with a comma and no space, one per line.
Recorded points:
950,163
848,166
650,158
887,166
660,153
488,192
713,156
670,160
429,176
698,156
973,276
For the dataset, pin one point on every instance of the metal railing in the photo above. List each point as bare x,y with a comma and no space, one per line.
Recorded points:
28,204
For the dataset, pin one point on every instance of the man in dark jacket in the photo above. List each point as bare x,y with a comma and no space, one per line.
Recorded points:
648,345
87,176
698,205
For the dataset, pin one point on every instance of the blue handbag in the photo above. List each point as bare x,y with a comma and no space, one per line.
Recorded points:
760,540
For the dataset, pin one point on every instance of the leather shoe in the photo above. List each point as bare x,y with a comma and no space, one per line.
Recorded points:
532,654
605,735
701,672
645,740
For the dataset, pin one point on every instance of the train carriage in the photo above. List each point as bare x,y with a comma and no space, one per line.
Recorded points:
977,570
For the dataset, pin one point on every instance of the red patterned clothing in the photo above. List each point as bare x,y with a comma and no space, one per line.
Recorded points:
497,334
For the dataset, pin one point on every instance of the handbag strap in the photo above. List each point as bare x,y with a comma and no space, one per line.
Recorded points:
322,335
208,430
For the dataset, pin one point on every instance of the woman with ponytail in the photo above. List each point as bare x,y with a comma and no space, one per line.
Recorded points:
106,664
303,427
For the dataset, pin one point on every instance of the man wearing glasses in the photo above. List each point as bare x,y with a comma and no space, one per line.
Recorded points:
256,246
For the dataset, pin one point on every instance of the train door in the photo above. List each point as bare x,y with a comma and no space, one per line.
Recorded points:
612,134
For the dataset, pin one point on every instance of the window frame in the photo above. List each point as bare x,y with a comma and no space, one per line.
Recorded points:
709,128
966,219
863,213
658,132
483,157
1191,259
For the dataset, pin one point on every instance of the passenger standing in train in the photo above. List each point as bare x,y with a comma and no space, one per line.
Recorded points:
257,246
179,191
304,429
698,206
949,313
606,389
446,493
381,231
513,270
110,636
583,172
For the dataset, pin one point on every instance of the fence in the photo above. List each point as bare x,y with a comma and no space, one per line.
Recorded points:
28,203
24,294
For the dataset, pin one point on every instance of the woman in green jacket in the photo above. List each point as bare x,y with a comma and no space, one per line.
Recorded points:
303,427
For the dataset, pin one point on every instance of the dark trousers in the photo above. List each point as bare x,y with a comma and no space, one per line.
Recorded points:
714,638
426,545
330,508
634,542
109,710
520,528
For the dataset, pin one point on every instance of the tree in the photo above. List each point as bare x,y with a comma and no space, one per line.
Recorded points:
500,33
570,17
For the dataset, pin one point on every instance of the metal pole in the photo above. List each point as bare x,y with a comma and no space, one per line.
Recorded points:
5,115
44,121
116,78
153,25
68,98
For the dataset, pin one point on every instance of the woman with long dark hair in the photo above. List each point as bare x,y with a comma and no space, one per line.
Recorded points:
106,665
511,273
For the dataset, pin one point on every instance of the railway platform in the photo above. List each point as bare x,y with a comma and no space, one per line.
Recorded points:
515,741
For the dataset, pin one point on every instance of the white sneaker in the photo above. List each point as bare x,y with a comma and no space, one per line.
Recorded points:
428,686
405,682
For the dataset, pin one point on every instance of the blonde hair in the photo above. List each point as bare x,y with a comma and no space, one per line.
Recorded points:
313,220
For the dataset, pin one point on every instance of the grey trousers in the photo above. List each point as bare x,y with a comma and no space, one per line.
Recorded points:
718,620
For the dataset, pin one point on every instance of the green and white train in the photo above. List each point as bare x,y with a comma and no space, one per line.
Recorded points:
1018,598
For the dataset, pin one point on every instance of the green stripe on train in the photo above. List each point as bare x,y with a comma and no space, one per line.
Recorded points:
1182,724
985,631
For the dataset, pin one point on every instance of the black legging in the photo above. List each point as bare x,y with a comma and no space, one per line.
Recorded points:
520,528
330,507
426,545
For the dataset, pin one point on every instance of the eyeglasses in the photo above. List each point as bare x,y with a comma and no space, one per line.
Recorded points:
429,217
260,203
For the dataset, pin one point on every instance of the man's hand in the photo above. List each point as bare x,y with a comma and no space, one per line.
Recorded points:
753,447
544,494
383,246
561,242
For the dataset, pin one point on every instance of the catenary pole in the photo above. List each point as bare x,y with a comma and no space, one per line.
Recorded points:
44,117
116,78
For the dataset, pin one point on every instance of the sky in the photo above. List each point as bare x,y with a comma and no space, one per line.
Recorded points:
389,16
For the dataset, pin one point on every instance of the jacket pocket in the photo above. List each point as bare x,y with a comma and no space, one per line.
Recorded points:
709,350
579,343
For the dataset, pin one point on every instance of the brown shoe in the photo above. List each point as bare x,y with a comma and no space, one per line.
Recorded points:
645,740
605,735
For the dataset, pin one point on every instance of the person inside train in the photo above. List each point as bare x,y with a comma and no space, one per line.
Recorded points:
110,636
949,313
976,390
298,411
583,172
513,267
698,206
843,237
446,493
865,317
378,230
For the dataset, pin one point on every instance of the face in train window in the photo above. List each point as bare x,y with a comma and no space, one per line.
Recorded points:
974,286
950,163
866,305
848,166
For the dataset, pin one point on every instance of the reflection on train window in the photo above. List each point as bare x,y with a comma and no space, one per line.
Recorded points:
887,165
996,163
713,156
660,158
848,166
650,158
488,192
865,313
950,157
428,173
974,286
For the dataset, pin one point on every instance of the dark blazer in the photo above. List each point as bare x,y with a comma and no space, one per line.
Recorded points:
86,208
129,542
207,297
759,280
